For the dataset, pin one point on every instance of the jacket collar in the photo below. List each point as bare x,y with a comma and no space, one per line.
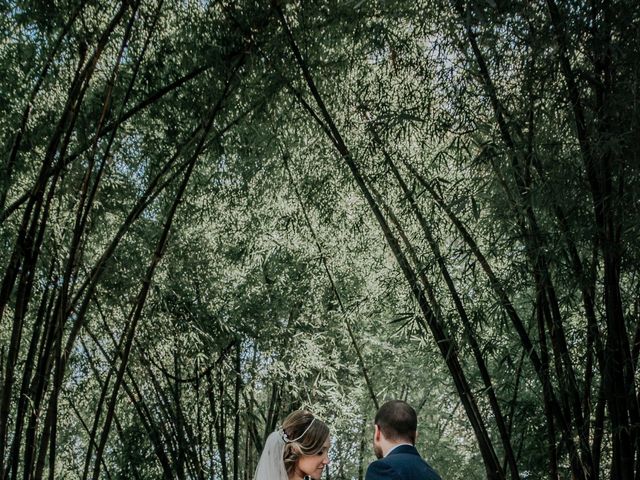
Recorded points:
410,449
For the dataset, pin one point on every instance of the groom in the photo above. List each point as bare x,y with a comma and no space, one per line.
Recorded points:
394,438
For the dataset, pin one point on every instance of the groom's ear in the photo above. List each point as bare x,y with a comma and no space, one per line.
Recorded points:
376,432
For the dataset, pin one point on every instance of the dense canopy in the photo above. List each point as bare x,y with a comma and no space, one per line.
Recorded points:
215,212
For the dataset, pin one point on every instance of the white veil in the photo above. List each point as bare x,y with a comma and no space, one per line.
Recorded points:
271,463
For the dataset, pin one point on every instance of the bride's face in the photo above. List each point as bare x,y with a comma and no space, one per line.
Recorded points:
313,465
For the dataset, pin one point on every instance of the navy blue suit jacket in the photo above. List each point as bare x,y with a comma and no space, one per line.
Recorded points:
402,463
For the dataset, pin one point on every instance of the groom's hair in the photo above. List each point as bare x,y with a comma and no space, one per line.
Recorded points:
397,421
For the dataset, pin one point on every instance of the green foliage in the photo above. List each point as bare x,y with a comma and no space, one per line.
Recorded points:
276,288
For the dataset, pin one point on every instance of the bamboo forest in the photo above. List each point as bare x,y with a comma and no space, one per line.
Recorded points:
216,212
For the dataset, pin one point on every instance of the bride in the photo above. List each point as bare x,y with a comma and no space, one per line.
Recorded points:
297,450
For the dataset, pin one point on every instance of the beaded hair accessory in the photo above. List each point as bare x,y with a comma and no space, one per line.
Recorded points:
286,438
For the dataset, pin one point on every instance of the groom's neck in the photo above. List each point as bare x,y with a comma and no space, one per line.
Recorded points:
389,446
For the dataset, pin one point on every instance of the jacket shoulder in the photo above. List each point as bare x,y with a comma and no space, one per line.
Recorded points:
406,465
381,470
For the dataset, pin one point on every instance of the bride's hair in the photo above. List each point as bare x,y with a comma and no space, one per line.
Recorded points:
303,434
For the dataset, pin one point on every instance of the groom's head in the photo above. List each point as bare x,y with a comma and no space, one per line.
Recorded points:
396,422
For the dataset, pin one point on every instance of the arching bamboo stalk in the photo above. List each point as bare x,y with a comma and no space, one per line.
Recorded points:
493,468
